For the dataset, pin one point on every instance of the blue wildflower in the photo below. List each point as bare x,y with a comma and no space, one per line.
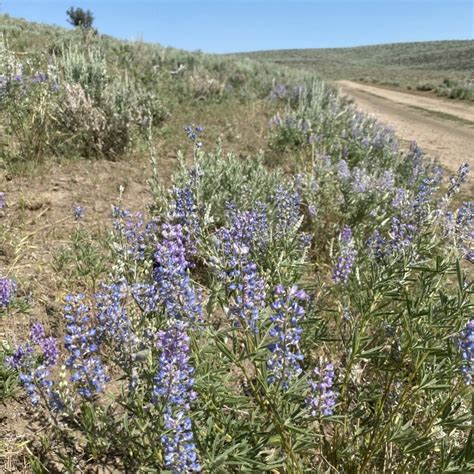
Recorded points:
377,245
79,212
361,181
286,357
457,180
173,389
288,214
82,341
7,291
33,377
343,170
399,198
250,228
322,398
346,257
401,234
244,286
193,134
279,91
386,181
133,236
173,283
466,347
114,325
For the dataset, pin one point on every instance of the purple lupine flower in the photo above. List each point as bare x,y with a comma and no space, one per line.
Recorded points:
401,234
466,347
33,377
399,198
377,245
2,200
464,230
383,136
244,286
417,209
146,296
193,134
49,346
37,333
250,228
457,180
357,125
284,362
114,325
346,235
386,181
173,389
133,236
27,380
39,77
82,341
415,155
7,291
346,258
279,91
287,210
361,181
78,212
322,398
174,382
180,450
184,211
343,171
449,224
247,289
17,359
344,264
175,291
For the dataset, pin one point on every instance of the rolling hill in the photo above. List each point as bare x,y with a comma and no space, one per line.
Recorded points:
441,66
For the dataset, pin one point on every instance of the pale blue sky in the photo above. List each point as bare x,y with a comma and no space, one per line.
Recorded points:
247,25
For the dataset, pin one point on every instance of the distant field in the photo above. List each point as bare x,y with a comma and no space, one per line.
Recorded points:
445,67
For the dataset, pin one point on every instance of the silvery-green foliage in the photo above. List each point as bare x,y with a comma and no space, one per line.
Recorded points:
269,376
87,68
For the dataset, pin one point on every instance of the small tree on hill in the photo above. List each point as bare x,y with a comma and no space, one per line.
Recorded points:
80,17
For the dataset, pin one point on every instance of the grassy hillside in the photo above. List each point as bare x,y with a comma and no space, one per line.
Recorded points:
91,95
443,66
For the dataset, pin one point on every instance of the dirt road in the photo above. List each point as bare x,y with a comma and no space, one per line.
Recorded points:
442,128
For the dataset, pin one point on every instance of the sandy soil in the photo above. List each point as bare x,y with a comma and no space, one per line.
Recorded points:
442,128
